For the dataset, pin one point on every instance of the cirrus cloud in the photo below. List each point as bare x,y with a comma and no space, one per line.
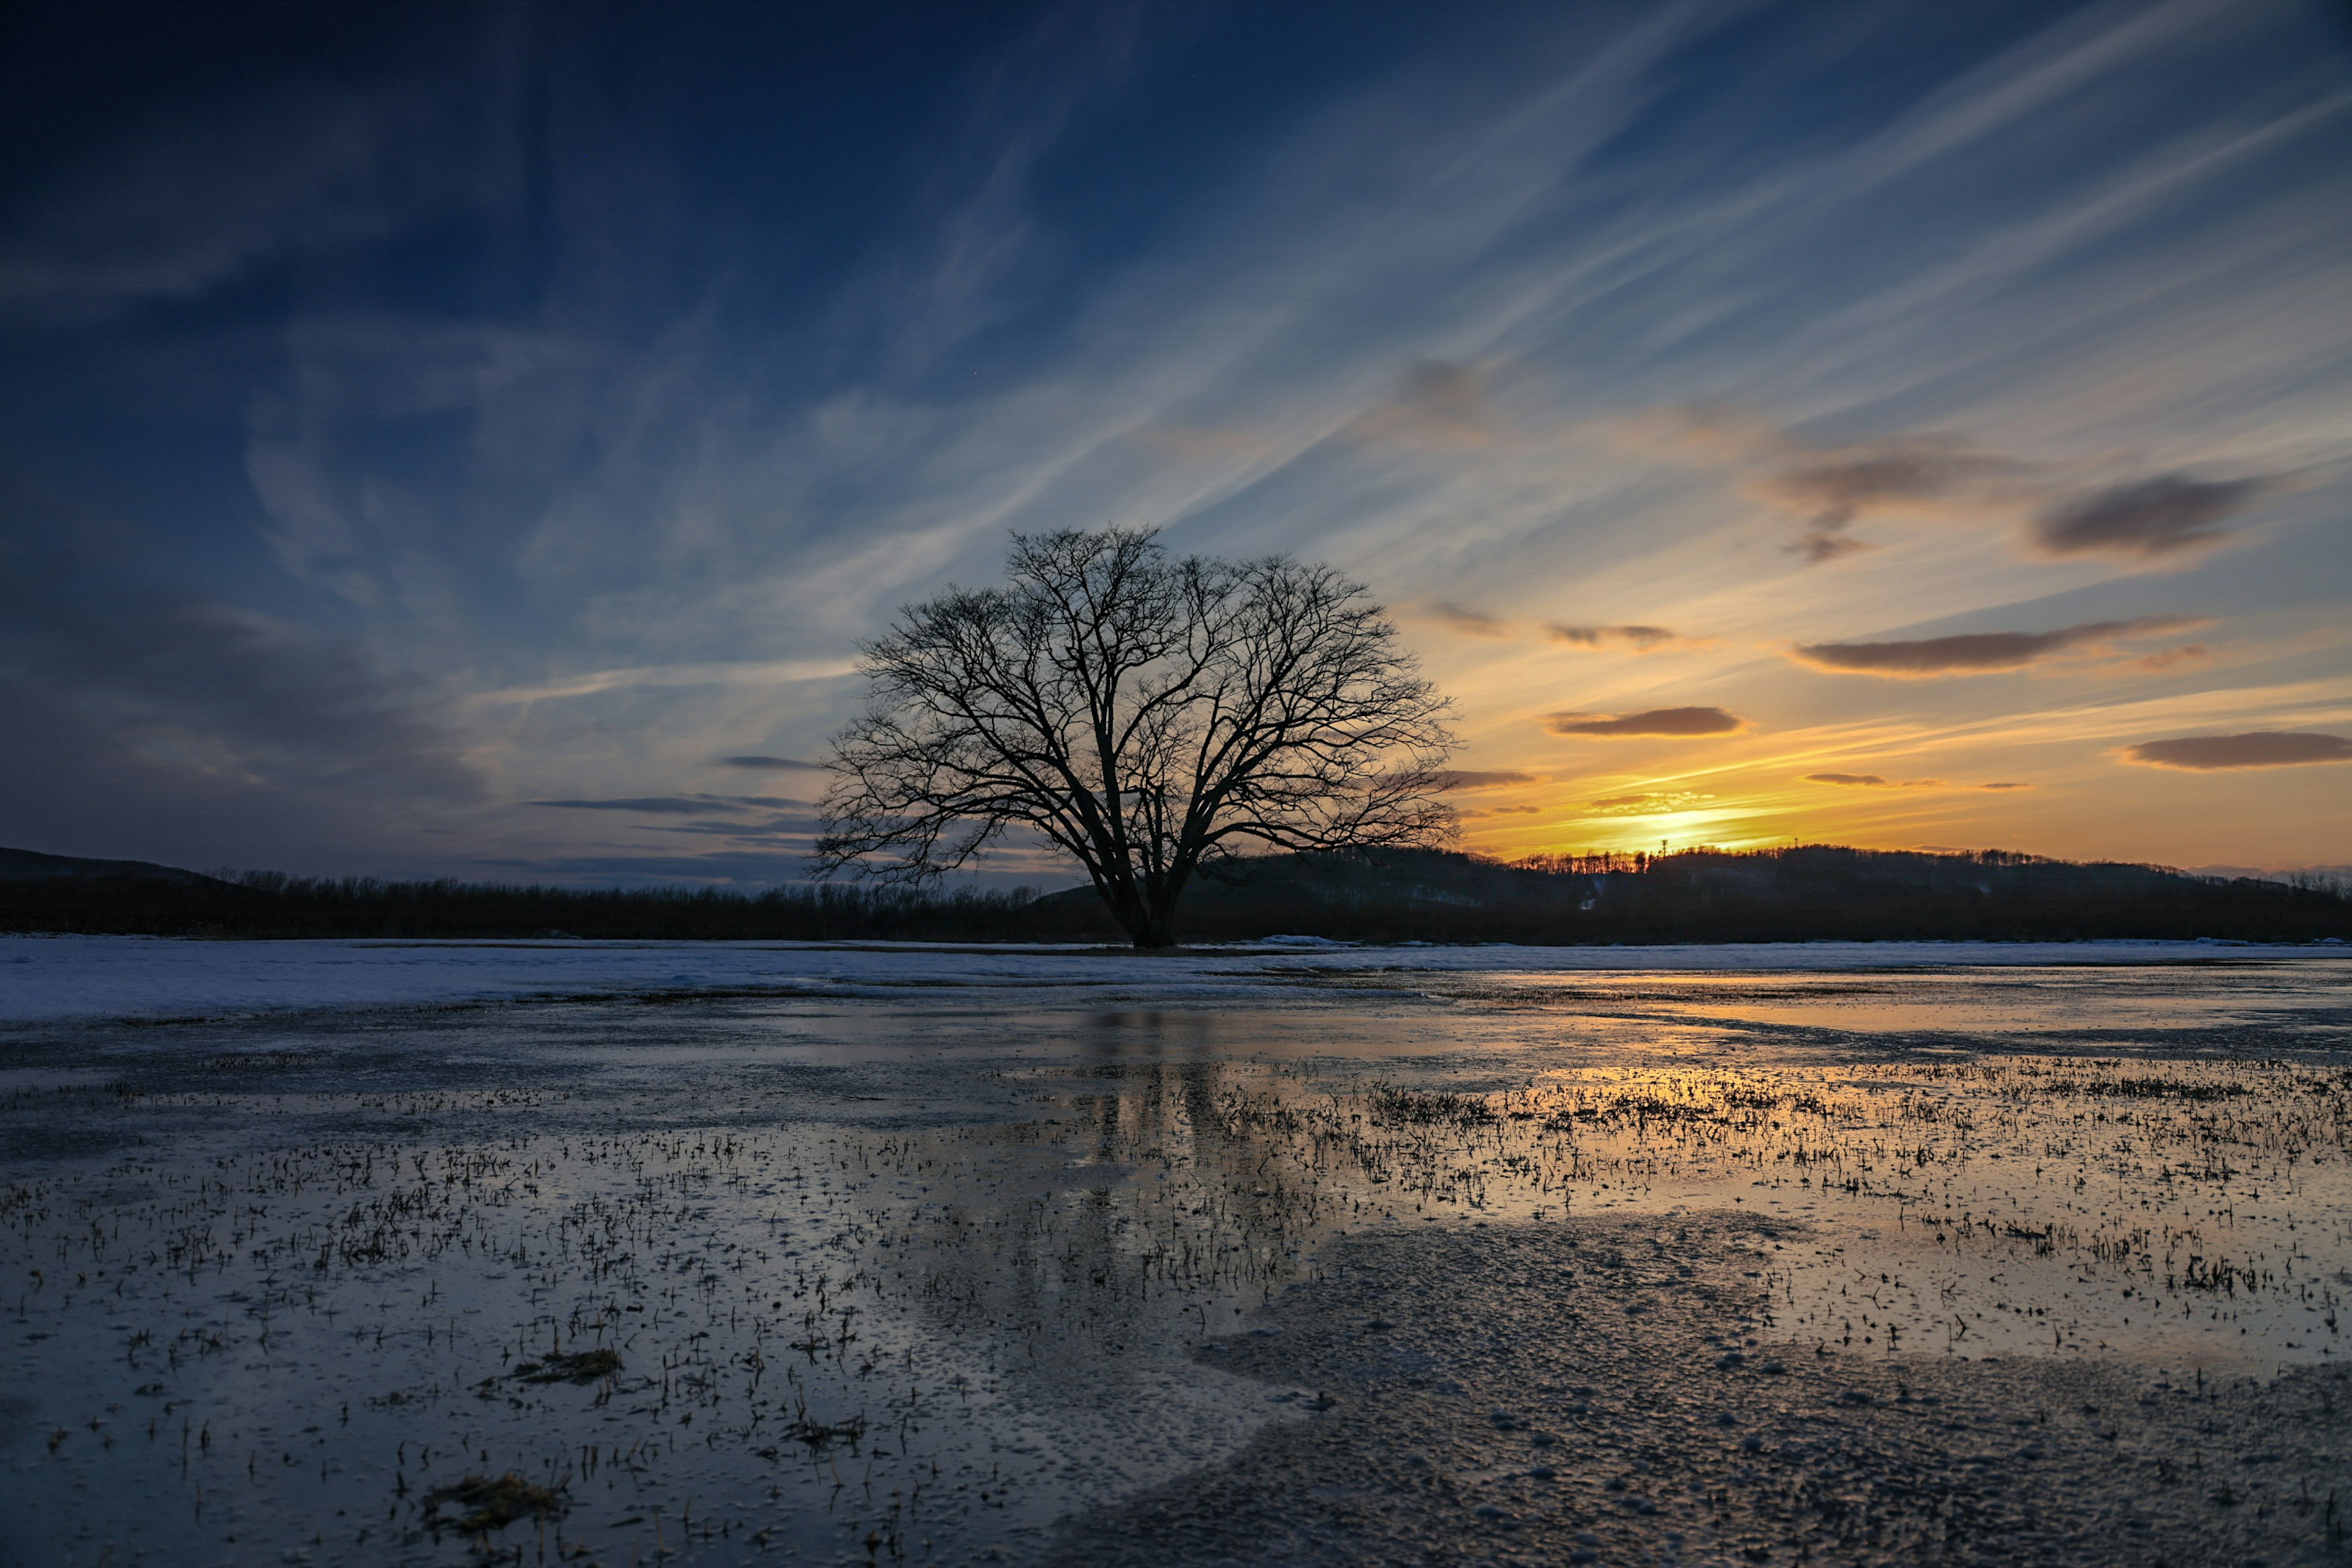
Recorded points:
1683,721
1658,804
1871,781
1467,622
2251,749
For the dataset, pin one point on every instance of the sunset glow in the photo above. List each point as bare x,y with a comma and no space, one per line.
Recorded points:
479,449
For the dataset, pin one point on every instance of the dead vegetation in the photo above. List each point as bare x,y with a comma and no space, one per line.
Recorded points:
493,1504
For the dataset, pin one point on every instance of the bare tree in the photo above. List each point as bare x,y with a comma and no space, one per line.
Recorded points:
1146,715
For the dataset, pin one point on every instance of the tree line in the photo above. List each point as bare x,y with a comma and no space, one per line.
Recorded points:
1812,892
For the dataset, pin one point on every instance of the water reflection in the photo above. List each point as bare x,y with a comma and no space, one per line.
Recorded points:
762,1279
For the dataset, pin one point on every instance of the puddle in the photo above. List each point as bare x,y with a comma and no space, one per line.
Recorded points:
806,1279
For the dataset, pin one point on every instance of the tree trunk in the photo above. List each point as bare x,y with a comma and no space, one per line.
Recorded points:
1158,929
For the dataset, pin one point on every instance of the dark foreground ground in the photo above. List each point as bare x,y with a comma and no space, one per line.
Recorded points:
951,1259
1597,1391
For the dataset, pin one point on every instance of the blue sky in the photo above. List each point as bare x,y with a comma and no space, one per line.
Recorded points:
433,439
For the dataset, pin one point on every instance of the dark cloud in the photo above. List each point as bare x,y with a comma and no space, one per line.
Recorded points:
1974,653
2147,518
1871,781
2005,787
1649,721
1469,623
2254,749
726,866
171,727
770,763
774,830
646,803
1820,545
1913,474
1502,811
1839,487
1442,408
1640,639
1472,778
1937,477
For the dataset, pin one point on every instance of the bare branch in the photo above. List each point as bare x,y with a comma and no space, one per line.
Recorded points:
1142,715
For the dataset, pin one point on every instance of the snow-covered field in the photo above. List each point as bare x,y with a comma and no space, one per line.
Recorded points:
97,977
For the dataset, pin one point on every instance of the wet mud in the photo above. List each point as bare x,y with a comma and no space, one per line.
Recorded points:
1607,1392
1380,1266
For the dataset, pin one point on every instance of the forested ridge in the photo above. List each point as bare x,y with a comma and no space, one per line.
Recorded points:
1812,892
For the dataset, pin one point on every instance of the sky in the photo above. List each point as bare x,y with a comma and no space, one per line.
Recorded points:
473,440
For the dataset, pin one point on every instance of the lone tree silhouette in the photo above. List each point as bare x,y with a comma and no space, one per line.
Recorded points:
1144,714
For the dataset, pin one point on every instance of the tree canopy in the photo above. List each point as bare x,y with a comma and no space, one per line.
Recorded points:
1145,714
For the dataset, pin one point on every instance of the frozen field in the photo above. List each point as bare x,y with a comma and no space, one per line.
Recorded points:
61,978
376,1252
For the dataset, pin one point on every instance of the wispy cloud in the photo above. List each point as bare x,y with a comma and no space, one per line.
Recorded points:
1657,804
641,445
1468,622
674,804
1871,781
1492,778
1641,639
1442,408
771,673
183,203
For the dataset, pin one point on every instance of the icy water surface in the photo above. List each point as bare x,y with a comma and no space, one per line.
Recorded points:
1361,1256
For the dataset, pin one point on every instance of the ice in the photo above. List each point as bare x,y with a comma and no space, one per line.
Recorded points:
58,978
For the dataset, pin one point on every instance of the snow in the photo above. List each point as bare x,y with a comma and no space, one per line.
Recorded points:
63,978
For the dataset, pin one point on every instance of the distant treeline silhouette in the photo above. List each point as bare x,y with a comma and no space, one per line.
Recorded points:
1800,893
1793,894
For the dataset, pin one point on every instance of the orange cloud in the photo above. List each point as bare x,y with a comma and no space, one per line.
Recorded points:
1657,805
1871,781
1641,639
1467,622
1472,778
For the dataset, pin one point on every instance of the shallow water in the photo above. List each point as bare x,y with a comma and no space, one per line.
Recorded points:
937,1279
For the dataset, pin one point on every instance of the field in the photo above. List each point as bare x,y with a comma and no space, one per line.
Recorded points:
625,1253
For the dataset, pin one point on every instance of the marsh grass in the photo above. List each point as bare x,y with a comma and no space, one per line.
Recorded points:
493,1504
928,1333
584,1367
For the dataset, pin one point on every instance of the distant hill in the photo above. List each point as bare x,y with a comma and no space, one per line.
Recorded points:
27,865
1816,893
